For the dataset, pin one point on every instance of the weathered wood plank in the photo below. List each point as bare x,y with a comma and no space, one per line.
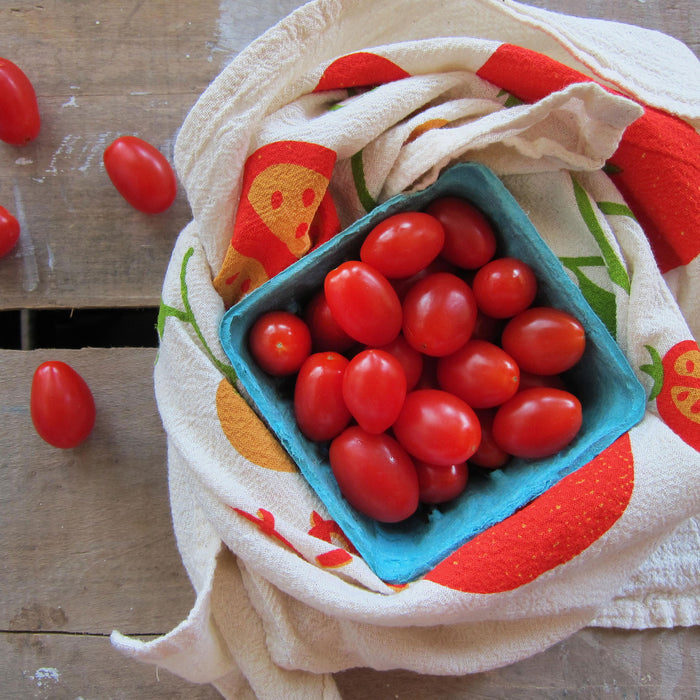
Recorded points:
103,69
591,665
68,667
86,534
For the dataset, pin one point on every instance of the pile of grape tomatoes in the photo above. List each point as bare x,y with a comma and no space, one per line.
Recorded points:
425,356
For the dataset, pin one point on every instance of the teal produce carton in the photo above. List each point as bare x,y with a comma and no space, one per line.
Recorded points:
612,398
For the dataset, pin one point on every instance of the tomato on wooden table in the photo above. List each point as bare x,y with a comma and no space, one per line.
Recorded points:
480,373
544,340
375,474
439,313
61,405
141,174
537,422
470,241
403,244
363,302
438,483
437,427
279,341
374,389
504,287
319,407
9,232
20,121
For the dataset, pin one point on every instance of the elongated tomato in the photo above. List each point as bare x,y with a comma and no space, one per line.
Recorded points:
19,111
141,174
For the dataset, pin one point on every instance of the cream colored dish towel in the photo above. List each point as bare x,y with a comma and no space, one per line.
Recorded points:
592,126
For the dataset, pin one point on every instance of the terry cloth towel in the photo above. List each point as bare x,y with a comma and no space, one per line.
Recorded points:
592,126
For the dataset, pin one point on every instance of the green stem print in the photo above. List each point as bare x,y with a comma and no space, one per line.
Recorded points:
358,175
655,370
616,269
601,300
511,100
187,316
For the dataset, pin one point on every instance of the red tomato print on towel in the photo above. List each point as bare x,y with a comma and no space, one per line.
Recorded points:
550,531
677,388
656,166
361,69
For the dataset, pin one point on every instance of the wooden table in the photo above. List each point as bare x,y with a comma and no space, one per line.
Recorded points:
86,535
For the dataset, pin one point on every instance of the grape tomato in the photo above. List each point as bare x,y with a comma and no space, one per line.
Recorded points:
326,333
319,407
375,474
141,174
439,484
480,373
437,427
9,232
403,244
61,405
280,341
537,422
504,287
439,313
470,241
363,302
20,120
411,360
374,389
544,340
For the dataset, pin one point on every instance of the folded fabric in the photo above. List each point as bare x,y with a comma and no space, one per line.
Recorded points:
335,110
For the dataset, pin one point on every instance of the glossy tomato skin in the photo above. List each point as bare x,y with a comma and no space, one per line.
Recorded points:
480,373
470,241
504,287
374,389
319,408
363,302
279,341
488,455
375,474
439,313
20,121
411,360
403,244
439,484
437,427
326,334
544,340
537,422
61,404
141,174
9,232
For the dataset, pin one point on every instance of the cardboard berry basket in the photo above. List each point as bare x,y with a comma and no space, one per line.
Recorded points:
612,398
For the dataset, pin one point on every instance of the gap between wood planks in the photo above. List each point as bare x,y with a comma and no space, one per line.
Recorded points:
31,329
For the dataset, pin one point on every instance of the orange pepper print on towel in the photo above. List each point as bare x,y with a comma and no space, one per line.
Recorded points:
247,433
284,211
656,165
550,531
360,69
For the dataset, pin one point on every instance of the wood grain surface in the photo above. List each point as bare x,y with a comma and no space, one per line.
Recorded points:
86,534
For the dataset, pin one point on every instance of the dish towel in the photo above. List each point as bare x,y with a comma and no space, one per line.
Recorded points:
593,127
